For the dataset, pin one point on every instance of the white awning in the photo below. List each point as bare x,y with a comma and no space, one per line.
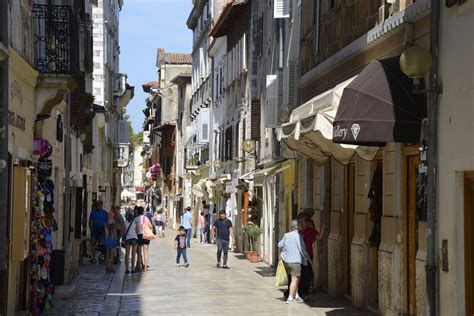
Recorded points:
310,130
259,175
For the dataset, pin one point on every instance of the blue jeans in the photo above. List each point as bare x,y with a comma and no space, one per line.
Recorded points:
189,232
181,251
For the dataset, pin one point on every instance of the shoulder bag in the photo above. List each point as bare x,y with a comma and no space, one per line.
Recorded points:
147,232
125,236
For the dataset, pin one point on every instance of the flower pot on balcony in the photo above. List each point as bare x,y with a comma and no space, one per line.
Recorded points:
254,257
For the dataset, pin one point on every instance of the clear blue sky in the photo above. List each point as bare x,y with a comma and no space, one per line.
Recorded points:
146,25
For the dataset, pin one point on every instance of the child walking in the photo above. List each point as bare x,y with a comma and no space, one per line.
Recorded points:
180,246
110,244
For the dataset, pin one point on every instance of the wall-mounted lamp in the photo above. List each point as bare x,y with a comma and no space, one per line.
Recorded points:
218,164
249,146
415,62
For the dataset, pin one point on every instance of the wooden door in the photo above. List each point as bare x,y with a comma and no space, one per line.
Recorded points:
469,241
411,234
348,226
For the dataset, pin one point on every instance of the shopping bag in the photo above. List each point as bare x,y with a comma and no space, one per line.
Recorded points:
281,276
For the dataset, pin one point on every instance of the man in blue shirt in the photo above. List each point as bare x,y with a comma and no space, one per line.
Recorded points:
97,221
188,225
221,232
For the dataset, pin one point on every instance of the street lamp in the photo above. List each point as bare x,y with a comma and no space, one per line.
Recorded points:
415,62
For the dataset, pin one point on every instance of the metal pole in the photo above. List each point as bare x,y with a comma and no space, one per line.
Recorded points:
431,256
4,166
67,166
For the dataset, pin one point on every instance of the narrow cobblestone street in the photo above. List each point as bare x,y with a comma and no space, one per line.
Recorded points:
200,289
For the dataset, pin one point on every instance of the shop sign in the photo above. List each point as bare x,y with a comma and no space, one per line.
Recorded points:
16,98
16,120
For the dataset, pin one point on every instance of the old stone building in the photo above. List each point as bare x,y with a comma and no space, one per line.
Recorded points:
375,251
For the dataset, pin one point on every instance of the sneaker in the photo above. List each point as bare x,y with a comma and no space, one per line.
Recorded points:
290,300
178,265
186,265
127,272
299,300
190,247
225,266
218,265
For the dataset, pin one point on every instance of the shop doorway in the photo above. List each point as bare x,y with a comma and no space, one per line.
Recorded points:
469,240
348,227
375,215
411,219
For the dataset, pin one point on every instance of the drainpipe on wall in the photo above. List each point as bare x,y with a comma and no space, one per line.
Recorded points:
4,167
67,187
431,256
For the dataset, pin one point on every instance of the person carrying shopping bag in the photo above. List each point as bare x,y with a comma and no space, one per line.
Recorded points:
294,255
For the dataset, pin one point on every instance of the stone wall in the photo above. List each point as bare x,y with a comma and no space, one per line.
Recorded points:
359,255
335,274
421,283
390,301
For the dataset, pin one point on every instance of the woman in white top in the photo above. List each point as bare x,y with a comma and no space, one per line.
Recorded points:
140,220
131,241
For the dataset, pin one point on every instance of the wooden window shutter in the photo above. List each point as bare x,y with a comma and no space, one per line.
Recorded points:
222,145
255,120
243,49
271,104
286,86
293,85
236,148
281,9
231,134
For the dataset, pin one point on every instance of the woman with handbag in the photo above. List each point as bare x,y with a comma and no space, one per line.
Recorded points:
130,241
145,234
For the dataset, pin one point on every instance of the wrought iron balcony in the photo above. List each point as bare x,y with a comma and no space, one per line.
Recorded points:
57,39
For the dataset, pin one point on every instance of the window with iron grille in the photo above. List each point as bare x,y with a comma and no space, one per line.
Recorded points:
56,39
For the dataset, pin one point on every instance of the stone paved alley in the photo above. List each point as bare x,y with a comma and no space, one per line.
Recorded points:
200,289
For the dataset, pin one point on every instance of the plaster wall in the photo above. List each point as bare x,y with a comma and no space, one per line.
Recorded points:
456,147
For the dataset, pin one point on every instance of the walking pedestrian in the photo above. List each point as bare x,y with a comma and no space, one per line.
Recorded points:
180,246
201,227
110,245
160,223
141,219
131,242
294,255
222,230
188,225
119,230
97,222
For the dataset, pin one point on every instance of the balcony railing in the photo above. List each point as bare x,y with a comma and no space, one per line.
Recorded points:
57,39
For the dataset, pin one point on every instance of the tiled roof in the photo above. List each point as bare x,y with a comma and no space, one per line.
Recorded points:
152,84
174,58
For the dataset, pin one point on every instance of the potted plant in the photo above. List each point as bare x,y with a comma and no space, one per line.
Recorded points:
252,231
